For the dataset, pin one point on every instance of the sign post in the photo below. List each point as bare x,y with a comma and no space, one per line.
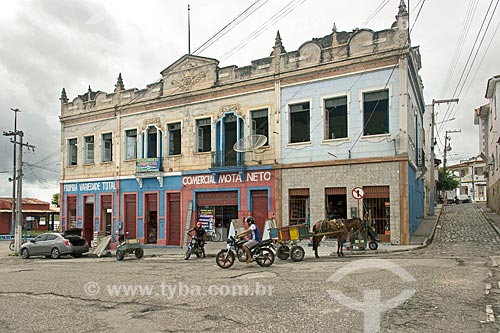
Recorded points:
358,194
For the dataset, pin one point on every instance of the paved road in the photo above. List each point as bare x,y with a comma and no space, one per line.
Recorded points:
442,287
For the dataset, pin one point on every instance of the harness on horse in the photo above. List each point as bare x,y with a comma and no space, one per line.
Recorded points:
331,225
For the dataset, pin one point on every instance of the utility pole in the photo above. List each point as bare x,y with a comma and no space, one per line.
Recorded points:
432,157
444,157
19,209
14,177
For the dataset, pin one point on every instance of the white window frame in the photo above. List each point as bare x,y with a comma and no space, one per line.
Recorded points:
199,135
89,149
130,148
289,118
107,152
70,151
346,94
170,139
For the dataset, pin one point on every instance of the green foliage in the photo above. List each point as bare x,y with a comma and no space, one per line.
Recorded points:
447,181
55,199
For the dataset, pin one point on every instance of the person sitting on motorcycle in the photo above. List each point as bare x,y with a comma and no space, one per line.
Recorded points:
200,236
254,233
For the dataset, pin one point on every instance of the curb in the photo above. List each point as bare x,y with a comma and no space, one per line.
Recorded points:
430,238
490,221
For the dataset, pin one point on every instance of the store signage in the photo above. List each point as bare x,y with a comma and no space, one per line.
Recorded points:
206,216
147,165
227,178
90,186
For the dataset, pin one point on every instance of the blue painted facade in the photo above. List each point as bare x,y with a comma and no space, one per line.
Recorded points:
353,87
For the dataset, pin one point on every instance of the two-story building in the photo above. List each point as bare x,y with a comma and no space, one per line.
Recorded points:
287,137
471,177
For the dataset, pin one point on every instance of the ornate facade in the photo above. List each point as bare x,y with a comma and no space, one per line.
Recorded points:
342,111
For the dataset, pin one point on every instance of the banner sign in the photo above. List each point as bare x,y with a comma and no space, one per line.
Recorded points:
147,165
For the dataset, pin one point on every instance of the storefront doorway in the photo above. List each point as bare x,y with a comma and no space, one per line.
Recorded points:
260,208
130,215
335,203
88,219
151,214
106,214
377,210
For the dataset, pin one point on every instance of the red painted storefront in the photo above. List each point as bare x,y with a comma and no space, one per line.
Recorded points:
233,195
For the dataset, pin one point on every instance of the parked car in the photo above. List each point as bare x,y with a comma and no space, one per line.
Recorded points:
53,245
464,198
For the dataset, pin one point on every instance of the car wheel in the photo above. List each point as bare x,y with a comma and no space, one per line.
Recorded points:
25,253
55,254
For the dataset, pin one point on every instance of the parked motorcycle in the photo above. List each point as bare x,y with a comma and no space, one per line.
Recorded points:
261,253
194,247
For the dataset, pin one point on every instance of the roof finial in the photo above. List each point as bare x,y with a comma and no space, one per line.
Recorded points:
119,83
64,97
278,45
402,8
334,29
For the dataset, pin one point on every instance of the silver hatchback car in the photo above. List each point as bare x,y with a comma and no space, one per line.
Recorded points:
53,245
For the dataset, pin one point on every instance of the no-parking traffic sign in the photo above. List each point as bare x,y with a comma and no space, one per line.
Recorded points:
358,193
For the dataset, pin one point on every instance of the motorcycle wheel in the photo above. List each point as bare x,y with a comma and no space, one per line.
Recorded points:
297,253
283,252
373,245
225,259
188,254
12,246
265,258
199,254
241,255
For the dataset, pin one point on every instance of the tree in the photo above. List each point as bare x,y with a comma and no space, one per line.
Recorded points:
447,180
55,199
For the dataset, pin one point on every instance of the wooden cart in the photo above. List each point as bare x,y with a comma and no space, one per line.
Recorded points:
287,238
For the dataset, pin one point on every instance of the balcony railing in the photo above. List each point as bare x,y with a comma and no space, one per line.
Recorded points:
228,159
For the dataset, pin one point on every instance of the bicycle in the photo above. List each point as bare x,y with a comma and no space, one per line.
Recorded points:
214,235
12,245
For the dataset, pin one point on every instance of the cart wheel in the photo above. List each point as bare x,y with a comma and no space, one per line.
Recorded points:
225,258
373,245
120,255
265,258
283,252
297,253
139,252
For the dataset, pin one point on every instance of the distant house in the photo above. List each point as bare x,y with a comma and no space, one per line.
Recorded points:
37,215
471,174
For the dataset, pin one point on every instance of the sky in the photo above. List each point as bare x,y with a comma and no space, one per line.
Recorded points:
46,45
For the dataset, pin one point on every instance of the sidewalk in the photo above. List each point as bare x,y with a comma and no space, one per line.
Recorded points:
493,218
422,237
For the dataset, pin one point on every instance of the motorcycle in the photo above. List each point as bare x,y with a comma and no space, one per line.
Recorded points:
194,247
261,253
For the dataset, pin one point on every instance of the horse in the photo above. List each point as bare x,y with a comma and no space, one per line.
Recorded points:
339,228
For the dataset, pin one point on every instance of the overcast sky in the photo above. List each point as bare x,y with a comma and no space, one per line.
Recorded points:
46,45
